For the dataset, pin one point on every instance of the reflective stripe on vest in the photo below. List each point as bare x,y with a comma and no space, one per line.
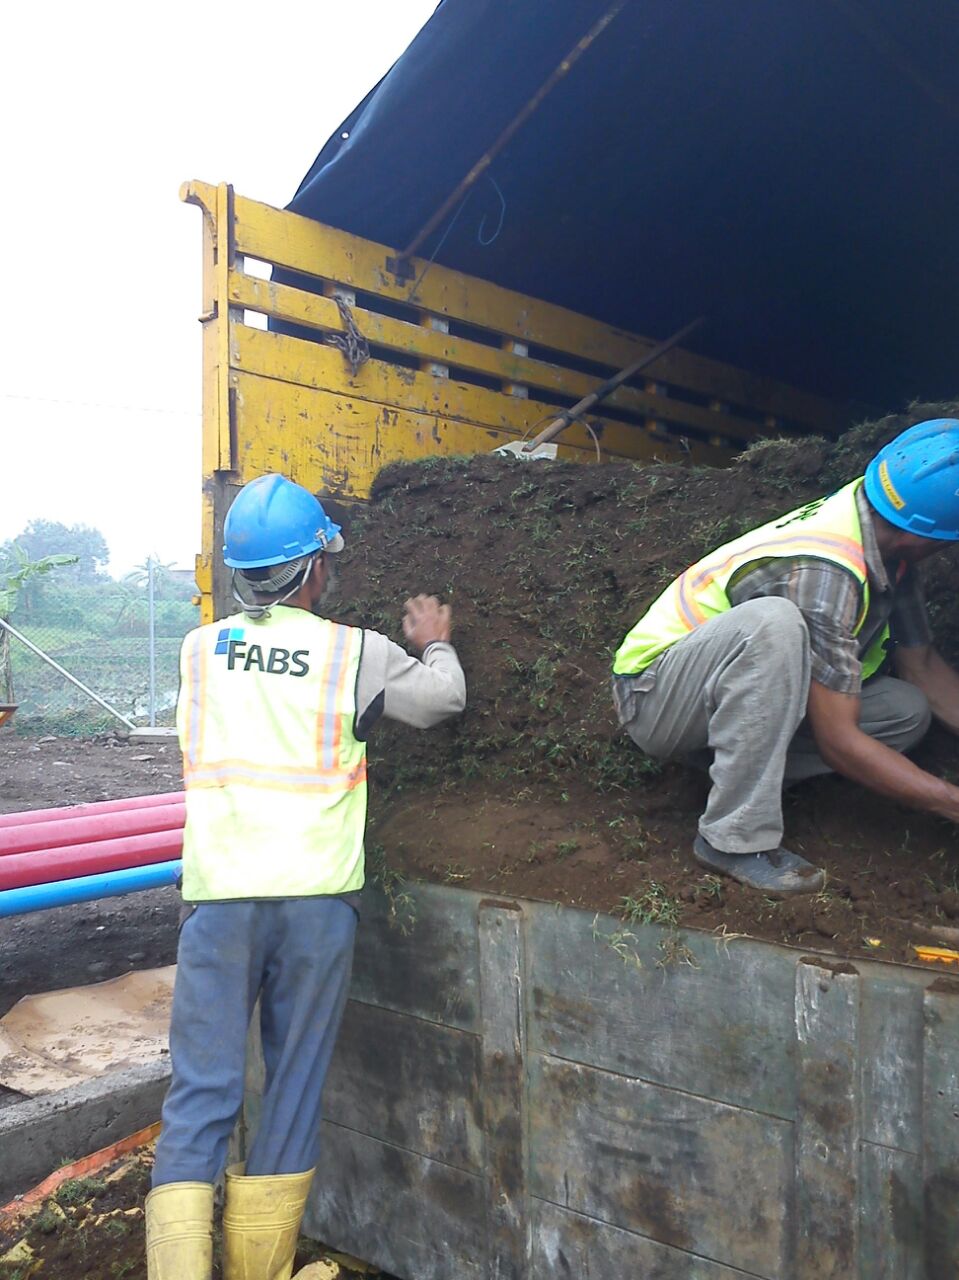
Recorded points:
827,529
275,779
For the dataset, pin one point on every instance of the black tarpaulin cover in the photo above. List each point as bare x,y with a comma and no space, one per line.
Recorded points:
787,169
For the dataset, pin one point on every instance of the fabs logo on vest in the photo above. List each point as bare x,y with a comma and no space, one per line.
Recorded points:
241,656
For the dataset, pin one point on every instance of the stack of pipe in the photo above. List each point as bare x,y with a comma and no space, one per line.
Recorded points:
51,857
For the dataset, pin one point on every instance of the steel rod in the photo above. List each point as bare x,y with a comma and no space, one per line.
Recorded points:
151,592
563,420
512,128
66,674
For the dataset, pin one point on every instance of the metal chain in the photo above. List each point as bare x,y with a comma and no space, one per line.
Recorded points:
353,346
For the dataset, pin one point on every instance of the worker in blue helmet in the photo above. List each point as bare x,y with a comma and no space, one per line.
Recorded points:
276,704
801,648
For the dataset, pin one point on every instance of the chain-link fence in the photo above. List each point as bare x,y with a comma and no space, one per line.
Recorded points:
134,668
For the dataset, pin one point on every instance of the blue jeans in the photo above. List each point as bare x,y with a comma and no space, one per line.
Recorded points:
296,955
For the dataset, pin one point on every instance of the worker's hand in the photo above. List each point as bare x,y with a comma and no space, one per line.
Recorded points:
425,620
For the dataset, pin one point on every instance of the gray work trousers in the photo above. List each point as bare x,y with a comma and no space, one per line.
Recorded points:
737,687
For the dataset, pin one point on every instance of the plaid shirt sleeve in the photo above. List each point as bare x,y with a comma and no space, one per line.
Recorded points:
909,622
829,600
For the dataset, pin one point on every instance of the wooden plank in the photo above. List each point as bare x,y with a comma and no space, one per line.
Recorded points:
940,1137
890,1045
432,969
653,1022
890,1246
570,1246
300,244
339,443
827,1124
403,1213
408,1082
697,1175
312,365
444,350
502,1000
370,433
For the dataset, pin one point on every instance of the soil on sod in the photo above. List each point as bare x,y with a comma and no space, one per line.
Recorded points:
535,791
92,1228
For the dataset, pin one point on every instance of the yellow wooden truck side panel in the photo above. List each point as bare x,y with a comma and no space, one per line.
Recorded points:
457,365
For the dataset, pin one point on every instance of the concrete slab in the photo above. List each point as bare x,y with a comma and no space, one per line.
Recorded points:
44,1133
158,735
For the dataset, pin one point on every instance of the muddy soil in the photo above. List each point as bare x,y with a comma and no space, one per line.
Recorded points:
535,791
91,1228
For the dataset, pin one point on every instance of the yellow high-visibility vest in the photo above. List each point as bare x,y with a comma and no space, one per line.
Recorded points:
275,779
827,529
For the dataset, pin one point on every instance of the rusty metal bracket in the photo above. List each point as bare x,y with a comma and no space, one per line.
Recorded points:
401,268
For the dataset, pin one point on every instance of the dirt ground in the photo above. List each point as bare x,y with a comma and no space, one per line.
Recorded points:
91,1228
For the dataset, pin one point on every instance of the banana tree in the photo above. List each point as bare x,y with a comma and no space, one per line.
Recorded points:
12,582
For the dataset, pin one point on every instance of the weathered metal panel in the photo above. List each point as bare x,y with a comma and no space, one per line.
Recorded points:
890,1035
890,1215
503,978
592,1003
414,1217
411,1083
827,1126
424,960
513,1097
571,1246
681,1170
940,1144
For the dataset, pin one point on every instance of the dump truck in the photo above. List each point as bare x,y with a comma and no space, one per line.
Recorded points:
531,199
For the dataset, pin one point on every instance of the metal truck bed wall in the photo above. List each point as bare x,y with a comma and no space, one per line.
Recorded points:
457,366
524,1090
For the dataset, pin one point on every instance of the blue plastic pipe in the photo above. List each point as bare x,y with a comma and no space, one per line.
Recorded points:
107,884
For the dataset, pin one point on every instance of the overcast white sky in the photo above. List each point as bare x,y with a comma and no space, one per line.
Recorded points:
107,108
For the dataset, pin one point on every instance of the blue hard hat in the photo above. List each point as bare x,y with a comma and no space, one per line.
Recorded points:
272,521
913,482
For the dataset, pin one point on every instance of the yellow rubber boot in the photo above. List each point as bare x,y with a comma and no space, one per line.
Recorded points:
261,1223
179,1224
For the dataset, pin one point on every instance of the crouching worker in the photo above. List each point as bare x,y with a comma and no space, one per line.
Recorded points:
275,707
766,654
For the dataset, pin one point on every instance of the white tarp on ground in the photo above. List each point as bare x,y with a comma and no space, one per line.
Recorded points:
61,1038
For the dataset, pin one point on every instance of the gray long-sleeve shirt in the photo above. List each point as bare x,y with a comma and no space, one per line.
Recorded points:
417,692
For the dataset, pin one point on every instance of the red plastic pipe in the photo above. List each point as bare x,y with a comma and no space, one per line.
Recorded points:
97,826
88,810
50,865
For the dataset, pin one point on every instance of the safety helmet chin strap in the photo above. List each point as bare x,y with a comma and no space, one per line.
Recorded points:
295,571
